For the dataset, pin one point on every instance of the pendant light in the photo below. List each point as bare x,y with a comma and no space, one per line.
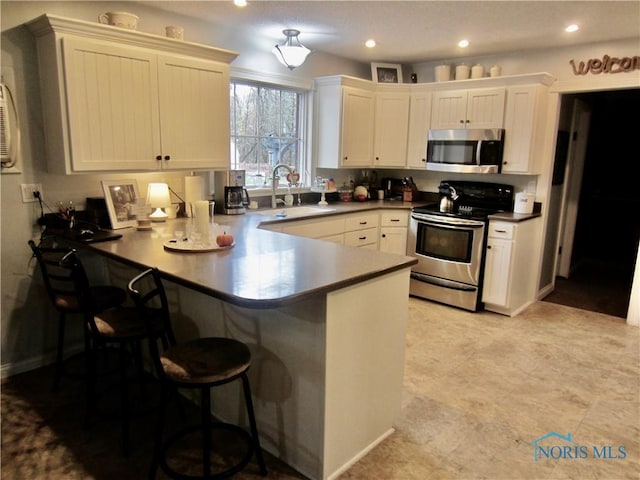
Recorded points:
292,53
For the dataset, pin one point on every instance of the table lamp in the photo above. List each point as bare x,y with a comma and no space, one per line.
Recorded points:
158,198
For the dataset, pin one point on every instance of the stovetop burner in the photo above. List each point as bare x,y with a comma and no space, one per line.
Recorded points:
475,200
474,213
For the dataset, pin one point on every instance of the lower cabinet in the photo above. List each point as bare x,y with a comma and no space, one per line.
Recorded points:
509,247
361,230
394,226
383,230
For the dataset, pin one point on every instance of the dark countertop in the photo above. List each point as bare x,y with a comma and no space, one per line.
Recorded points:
264,269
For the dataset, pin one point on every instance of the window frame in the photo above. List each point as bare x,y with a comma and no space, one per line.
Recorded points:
303,87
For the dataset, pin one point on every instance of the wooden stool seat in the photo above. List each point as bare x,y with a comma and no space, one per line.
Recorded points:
205,361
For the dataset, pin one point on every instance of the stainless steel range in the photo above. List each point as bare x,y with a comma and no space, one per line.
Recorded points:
449,238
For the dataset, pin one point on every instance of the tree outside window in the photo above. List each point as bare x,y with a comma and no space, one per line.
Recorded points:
265,130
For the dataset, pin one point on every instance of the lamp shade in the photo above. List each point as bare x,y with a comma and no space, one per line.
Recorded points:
158,197
292,53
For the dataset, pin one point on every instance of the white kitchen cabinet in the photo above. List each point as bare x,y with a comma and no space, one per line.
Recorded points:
359,124
524,128
117,100
419,124
361,230
331,229
508,285
391,128
394,225
345,109
476,108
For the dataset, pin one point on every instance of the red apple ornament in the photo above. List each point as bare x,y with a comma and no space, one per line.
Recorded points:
224,240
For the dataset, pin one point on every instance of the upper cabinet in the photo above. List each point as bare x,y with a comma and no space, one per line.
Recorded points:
359,125
419,124
356,138
119,100
524,128
391,128
473,108
344,122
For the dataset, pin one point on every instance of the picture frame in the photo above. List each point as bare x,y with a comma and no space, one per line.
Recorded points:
121,197
386,72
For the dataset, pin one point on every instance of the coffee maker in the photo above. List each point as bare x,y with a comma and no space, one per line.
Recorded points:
230,194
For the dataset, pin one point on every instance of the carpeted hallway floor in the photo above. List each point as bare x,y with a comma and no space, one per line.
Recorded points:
480,389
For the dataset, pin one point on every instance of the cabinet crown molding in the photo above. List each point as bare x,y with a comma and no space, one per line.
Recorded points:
47,24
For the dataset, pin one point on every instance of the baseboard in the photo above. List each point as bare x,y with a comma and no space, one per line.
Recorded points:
15,368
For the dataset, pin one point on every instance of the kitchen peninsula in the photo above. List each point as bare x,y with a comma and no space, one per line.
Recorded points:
325,324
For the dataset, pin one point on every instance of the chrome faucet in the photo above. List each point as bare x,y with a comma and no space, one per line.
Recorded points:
274,202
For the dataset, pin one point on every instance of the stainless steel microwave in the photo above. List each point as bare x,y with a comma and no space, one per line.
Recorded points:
465,151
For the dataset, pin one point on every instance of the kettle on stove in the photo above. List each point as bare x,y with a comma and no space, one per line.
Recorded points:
449,196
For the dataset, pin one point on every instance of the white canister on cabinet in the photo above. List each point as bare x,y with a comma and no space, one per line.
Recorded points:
495,71
477,71
443,73
462,72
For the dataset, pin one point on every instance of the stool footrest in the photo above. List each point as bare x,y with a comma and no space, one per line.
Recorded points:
180,435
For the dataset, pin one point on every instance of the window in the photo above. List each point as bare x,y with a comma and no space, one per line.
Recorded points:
266,129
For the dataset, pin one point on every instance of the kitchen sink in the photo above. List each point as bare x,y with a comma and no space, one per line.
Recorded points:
292,212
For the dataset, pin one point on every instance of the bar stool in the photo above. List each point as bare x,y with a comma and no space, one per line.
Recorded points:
63,296
197,364
120,327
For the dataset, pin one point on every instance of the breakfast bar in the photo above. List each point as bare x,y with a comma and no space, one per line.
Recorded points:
325,324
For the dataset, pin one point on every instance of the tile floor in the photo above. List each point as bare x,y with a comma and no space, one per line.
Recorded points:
480,388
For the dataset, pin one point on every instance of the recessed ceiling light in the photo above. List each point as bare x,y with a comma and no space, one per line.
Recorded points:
463,43
572,28
240,3
370,43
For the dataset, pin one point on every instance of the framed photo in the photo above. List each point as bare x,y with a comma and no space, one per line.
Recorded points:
121,197
386,72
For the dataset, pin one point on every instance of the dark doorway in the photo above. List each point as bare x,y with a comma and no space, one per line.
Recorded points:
608,221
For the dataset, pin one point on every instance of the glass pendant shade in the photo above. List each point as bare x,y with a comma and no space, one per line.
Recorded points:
158,197
292,54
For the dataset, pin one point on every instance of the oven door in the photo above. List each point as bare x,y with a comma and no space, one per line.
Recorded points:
449,248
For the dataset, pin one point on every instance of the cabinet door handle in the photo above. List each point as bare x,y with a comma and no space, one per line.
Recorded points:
363,223
461,121
394,220
384,235
488,247
167,157
362,238
467,121
377,158
501,231
345,158
158,157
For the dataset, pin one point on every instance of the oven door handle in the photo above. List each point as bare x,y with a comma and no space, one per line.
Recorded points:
450,223
441,282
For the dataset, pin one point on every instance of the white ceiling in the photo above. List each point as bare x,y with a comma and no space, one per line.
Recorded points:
422,31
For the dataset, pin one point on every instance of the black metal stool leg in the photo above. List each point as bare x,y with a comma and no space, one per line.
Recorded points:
252,423
157,448
59,354
205,408
125,400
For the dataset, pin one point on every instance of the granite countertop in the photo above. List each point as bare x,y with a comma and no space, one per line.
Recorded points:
264,269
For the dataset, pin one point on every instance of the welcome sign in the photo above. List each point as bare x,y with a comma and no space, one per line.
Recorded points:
606,64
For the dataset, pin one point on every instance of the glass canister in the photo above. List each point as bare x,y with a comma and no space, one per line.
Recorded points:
346,193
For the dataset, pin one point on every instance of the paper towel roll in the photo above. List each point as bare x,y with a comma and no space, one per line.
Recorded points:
201,210
193,191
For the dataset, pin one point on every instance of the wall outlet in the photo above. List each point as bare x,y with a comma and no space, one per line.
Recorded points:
27,191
